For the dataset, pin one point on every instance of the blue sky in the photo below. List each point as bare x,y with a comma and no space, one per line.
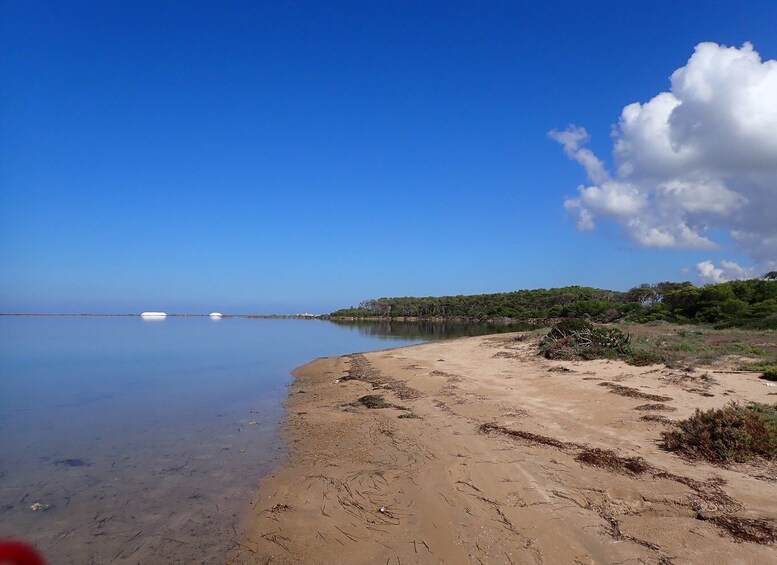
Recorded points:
283,157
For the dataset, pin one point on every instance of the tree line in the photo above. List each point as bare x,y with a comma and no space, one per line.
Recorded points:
746,303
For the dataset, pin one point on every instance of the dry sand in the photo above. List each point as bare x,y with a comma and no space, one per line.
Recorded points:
424,481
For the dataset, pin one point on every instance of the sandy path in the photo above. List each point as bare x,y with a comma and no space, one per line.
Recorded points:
524,489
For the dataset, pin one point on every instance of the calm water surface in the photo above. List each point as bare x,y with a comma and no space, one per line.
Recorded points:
144,440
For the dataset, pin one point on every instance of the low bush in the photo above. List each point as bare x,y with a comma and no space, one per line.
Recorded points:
770,373
569,327
642,358
562,349
767,368
573,338
732,433
609,338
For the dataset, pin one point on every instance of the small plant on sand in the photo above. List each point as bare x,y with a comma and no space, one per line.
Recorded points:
643,357
733,433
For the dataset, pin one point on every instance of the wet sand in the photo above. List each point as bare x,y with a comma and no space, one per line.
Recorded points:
489,454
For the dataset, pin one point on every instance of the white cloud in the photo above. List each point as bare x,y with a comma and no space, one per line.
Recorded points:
698,160
572,139
728,271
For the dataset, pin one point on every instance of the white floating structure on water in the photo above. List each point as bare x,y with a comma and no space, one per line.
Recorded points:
153,315
215,314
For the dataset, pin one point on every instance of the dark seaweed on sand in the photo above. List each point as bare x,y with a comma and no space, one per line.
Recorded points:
71,463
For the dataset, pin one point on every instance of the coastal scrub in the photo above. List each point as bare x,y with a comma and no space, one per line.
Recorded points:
574,338
734,433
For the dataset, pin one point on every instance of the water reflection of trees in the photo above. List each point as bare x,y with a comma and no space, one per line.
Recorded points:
426,330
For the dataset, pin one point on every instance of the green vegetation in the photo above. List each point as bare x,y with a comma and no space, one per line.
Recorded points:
643,357
573,338
733,433
692,346
746,304
520,305
751,303
767,367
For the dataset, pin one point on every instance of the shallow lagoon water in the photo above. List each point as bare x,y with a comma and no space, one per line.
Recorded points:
143,440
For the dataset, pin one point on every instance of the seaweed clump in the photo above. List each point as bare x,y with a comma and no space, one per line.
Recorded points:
654,408
607,459
373,401
634,393
529,437
753,530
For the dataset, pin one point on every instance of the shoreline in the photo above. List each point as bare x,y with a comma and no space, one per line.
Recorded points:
496,320
86,315
476,449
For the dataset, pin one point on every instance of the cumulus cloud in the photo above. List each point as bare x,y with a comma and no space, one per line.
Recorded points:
727,271
692,163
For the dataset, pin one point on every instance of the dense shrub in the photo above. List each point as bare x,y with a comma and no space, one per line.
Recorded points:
562,349
732,433
569,327
573,338
609,338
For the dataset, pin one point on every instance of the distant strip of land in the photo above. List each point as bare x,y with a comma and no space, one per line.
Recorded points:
744,303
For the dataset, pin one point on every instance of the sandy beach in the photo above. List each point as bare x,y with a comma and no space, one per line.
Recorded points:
477,450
